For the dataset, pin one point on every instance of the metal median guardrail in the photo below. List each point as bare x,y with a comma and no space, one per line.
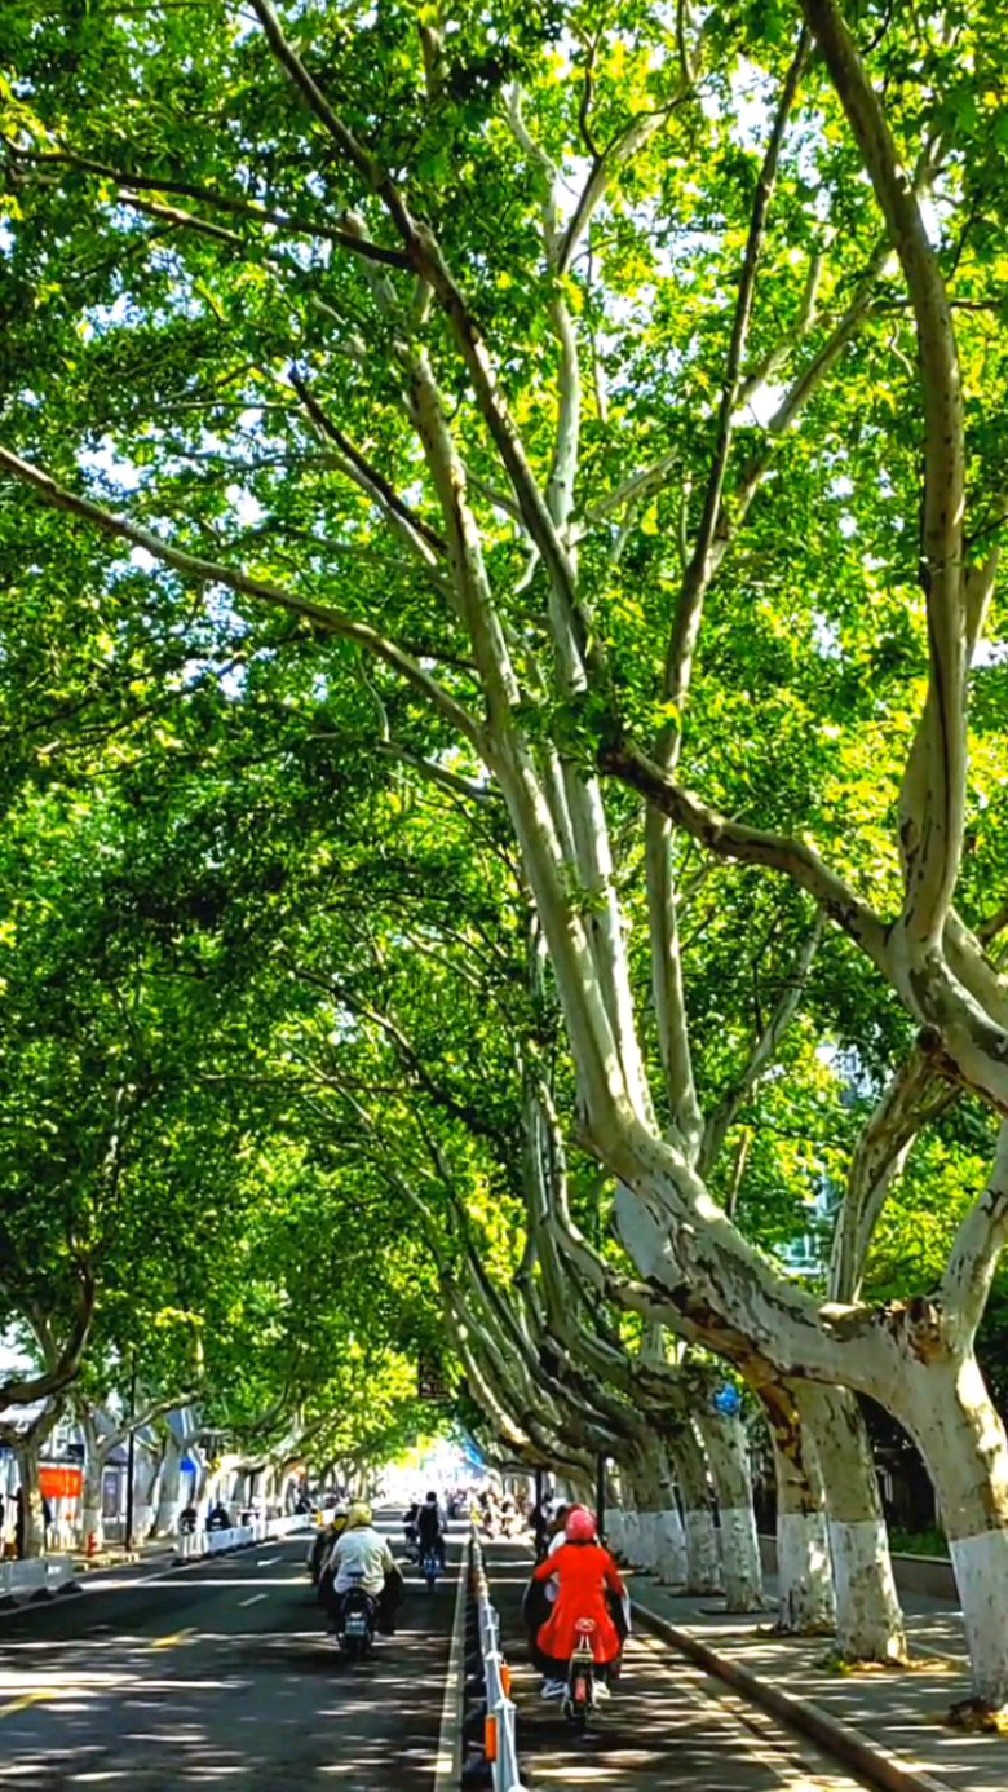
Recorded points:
500,1747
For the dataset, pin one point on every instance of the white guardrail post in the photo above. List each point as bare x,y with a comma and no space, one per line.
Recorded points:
502,1750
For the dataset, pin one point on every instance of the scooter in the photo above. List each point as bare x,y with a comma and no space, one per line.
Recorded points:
579,1699
355,1628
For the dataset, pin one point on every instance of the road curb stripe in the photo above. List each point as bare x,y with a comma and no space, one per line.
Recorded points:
448,1766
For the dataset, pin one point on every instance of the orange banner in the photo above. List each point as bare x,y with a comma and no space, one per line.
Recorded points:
60,1483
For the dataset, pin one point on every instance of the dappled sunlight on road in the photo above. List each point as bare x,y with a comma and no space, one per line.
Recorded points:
244,1690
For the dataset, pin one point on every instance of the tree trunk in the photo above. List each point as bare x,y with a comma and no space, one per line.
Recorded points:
92,1521
947,1409
148,1477
869,1619
670,1548
703,1573
170,1492
31,1518
614,1510
804,1568
670,1538
649,1479
630,1537
728,1455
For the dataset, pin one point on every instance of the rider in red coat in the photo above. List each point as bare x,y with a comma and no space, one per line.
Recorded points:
589,1585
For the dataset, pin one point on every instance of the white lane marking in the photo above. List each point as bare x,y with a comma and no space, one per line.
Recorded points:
448,1766
253,1599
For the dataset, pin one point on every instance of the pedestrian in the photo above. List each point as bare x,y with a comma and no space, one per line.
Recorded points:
46,1523
19,1524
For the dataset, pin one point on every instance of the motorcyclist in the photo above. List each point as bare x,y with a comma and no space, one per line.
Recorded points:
490,1516
429,1530
541,1518
557,1530
362,1558
589,1586
326,1541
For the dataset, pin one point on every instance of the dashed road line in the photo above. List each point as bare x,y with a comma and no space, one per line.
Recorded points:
27,1699
174,1641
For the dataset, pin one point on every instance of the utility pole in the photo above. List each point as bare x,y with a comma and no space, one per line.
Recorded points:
129,1453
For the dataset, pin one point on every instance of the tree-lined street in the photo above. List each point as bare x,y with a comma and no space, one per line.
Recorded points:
503,726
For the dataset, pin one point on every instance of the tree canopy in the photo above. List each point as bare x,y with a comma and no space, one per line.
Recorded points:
506,690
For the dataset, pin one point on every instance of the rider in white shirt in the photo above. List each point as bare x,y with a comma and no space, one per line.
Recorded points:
361,1557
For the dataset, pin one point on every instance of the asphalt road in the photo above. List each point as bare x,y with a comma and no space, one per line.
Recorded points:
222,1674
669,1728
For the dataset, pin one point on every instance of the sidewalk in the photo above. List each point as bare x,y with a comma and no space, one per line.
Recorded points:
893,1721
157,1550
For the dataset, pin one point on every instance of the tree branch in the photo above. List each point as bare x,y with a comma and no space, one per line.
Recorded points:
230,203
212,572
933,809
723,1116
425,540
21,1390
979,1242
750,846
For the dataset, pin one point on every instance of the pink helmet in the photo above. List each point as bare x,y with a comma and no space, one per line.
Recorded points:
580,1526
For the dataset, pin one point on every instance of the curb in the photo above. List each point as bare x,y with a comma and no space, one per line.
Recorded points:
869,1760
12,1602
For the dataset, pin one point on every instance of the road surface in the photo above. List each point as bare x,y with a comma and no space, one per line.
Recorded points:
669,1728
219,1675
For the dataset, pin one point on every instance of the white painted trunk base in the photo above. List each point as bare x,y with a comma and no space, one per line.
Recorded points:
869,1620
615,1528
143,1519
91,1524
170,1500
741,1568
702,1566
804,1573
981,1571
646,1542
670,1548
